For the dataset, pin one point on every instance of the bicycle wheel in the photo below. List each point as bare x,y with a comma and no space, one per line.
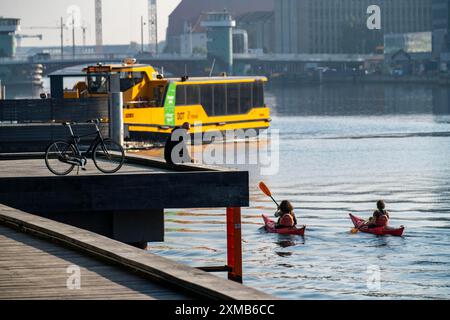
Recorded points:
56,155
108,156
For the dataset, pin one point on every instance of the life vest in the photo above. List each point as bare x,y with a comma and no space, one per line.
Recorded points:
382,220
286,220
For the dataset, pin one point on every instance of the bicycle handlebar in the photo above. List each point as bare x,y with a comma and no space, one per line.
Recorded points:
96,121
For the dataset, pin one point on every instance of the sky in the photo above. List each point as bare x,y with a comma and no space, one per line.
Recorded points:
121,19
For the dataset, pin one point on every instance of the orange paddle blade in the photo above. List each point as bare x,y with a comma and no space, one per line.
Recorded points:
265,189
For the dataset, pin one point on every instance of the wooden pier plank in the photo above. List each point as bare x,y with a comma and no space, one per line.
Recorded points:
31,268
163,271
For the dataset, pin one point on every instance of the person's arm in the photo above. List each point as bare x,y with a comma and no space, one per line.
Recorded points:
295,218
372,219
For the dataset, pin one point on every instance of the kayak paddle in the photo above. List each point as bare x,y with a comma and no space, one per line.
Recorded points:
267,192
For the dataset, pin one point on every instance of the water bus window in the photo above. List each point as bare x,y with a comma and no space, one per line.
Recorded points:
97,84
207,98
220,100
192,95
233,98
158,94
246,101
225,99
130,79
181,96
258,94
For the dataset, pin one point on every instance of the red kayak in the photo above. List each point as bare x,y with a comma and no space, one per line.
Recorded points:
270,227
379,231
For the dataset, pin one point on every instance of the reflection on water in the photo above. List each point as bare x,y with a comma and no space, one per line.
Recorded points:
358,100
342,148
286,243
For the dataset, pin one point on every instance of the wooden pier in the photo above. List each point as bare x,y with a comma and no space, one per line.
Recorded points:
37,256
125,208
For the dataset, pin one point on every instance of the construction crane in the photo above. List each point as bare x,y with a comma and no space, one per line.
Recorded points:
83,29
19,38
98,26
153,26
61,28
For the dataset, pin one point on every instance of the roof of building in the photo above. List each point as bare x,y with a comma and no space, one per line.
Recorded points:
252,17
190,10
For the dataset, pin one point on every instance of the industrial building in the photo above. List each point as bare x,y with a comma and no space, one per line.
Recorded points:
441,26
260,28
8,29
219,27
330,26
254,33
184,22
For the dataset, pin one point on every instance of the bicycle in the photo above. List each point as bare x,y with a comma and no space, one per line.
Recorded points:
61,157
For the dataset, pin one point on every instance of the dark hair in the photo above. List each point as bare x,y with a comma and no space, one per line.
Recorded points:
380,205
286,207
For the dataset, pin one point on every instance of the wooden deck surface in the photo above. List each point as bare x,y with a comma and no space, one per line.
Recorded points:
37,168
31,268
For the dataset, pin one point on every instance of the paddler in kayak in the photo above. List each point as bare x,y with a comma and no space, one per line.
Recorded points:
286,216
380,216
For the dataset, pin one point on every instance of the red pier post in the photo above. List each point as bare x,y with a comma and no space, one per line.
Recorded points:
234,244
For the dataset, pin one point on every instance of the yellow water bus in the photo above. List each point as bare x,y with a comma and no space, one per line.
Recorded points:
154,105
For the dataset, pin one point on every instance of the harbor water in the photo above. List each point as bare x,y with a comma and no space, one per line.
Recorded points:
342,147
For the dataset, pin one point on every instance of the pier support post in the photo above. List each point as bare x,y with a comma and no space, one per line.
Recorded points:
2,91
116,121
234,244
116,110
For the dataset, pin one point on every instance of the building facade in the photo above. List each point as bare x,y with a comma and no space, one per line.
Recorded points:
441,26
339,26
8,29
219,27
260,29
192,12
